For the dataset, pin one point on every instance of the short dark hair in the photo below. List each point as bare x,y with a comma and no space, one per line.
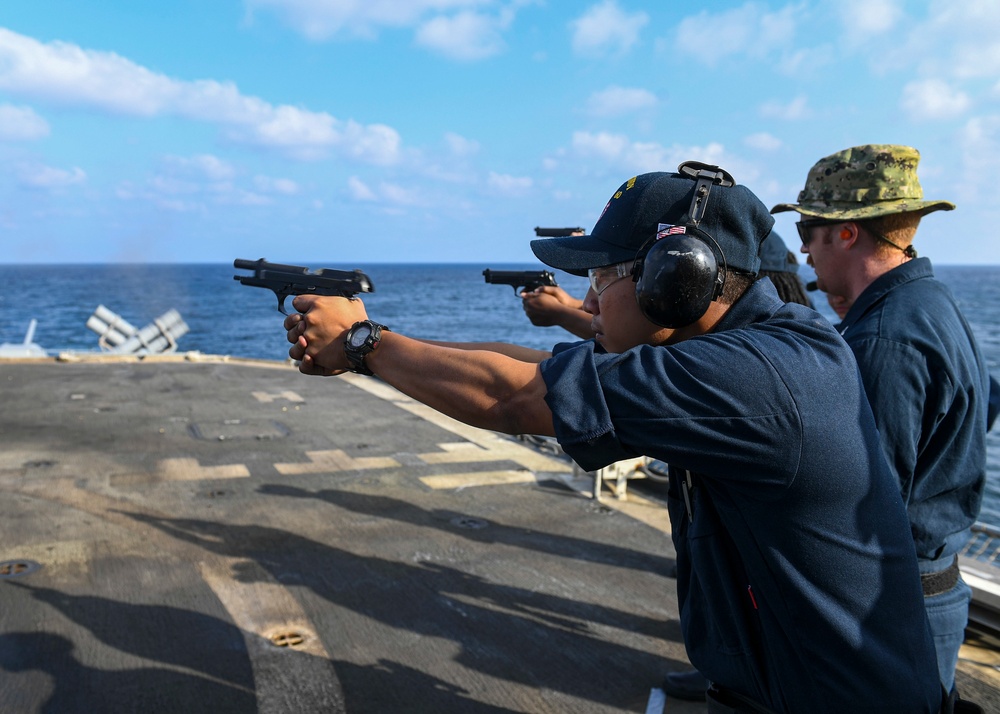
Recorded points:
737,283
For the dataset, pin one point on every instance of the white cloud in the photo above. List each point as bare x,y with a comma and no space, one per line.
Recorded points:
374,143
869,17
189,184
980,143
762,141
748,30
21,124
933,99
622,154
387,194
980,139
457,29
179,206
606,28
807,61
959,40
460,146
790,111
602,144
239,197
48,177
61,73
359,189
978,54
173,186
603,153
211,167
284,186
66,74
322,19
399,195
509,185
466,36
615,101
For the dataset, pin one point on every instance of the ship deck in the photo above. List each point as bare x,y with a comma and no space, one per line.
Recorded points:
197,534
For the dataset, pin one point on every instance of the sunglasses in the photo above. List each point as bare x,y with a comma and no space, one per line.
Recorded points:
805,228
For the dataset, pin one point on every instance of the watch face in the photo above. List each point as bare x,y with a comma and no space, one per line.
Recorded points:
358,336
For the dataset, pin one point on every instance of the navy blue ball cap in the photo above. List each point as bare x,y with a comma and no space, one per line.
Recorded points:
774,255
734,217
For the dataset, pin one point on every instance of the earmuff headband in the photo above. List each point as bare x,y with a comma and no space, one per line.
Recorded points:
681,269
706,176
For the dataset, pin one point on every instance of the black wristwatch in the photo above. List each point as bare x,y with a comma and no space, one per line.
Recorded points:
362,339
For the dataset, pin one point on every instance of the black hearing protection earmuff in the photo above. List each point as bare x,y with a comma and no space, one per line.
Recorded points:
682,269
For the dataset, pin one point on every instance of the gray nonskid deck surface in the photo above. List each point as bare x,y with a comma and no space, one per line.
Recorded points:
225,537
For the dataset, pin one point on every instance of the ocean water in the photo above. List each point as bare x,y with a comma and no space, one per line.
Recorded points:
446,302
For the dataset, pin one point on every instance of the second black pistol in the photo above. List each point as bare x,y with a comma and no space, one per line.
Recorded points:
520,280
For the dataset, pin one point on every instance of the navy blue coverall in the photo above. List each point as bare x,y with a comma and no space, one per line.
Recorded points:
929,389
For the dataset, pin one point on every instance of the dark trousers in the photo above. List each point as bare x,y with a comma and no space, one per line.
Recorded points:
723,701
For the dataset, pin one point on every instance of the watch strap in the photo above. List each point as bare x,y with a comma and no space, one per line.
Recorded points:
356,355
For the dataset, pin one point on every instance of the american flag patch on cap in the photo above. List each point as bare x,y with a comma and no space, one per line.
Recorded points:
668,229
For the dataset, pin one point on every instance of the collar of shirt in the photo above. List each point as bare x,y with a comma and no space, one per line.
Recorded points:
758,303
916,269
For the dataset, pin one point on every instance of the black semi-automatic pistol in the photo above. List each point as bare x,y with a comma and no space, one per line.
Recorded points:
285,280
530,279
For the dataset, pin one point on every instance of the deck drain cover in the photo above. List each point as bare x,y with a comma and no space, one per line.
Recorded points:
473,524
287,639
15,568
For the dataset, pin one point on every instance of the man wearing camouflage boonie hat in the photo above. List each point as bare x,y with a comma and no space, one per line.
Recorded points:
923,372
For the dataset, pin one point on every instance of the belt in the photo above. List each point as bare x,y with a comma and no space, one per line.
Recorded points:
940,582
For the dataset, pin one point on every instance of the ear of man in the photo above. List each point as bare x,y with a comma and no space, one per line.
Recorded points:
849,234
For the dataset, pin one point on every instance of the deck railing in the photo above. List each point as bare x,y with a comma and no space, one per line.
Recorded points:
984,545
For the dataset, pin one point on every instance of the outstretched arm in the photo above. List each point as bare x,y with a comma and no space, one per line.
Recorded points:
518,352
479,387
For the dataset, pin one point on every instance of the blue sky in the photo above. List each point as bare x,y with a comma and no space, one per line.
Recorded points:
341,132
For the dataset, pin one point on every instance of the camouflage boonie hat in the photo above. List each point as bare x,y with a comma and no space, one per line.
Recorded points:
864,182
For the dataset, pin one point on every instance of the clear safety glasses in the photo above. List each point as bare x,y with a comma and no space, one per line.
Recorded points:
601,278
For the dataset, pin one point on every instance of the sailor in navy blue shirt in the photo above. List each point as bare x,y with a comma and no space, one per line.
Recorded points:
923,372
796,575
797,578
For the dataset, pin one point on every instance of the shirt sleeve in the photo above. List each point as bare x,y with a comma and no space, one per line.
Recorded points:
684,404
905,399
